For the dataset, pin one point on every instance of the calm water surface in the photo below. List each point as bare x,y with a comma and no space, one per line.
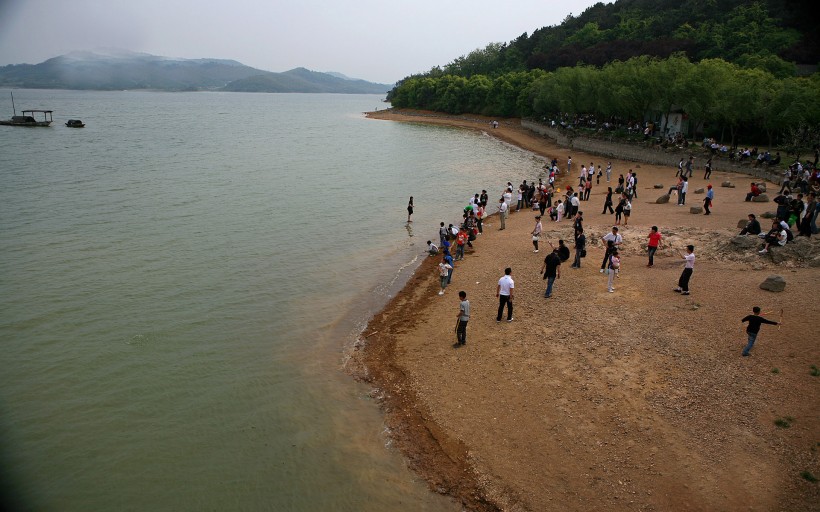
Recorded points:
180,282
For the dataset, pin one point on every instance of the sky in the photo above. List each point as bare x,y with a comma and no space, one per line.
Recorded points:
379,41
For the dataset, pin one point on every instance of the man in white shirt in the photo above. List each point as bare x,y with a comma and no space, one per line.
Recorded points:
504,292
503,207
688,268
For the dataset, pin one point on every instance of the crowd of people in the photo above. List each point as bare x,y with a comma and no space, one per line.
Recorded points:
796,213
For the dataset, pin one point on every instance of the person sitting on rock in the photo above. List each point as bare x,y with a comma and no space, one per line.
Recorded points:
754,192
752,227
776,236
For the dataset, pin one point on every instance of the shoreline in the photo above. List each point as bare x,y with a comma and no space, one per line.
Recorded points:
603,419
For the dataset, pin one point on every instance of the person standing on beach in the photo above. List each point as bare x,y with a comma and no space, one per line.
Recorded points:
653,245
684,187
410,209
608,172
502,213
578,224
569,166
484,198
688,169
463,317
444,269
708,169
443,234
504,292
613,268
479,215
679,172
707,201
755,321
580,248
619,210
608,201
551,270
627,209
448,258
688,268
536,232
612,240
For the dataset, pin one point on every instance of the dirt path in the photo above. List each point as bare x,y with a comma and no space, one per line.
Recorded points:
633,400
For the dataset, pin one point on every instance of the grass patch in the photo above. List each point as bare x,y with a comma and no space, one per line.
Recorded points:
808,476
784,422
814,371
775,370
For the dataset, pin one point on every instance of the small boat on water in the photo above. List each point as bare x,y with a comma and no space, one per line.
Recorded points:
27,119
75,123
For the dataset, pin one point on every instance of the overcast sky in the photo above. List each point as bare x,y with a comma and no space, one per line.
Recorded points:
376,40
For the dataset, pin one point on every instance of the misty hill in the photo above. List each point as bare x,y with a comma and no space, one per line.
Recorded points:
119,70
303,80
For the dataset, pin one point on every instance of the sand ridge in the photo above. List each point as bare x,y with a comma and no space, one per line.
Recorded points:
633,400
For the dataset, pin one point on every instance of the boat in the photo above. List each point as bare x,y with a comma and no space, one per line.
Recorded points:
27,119
75,123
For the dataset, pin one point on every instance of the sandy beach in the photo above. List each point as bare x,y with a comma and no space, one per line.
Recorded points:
589,400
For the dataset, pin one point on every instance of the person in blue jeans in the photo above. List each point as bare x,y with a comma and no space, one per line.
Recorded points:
551,270
755,321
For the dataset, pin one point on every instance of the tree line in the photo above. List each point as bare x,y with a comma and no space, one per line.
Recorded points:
720,98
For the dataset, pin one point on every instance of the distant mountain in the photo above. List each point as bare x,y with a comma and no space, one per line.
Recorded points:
303,80
119,70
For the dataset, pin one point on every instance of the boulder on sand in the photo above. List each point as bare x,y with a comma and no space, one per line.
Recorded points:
742,223
663,199
699,190
696,209
658,185
773,283
727,184
762,198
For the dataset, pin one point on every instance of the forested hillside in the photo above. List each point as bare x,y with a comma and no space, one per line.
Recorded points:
732,67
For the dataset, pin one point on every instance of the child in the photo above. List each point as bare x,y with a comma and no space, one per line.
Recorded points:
444,269
432,250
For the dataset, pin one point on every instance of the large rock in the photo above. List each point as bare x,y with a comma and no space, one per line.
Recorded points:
696,209
762,198
663,199
801,249
727,184
744,243
699,190
761,187
768,215
658,185
742,223
774,283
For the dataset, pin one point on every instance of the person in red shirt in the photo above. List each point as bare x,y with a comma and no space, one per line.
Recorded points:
654,243
754,192
461,239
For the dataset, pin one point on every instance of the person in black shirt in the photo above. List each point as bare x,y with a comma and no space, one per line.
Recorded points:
580,248
752,227
551,270
755,320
